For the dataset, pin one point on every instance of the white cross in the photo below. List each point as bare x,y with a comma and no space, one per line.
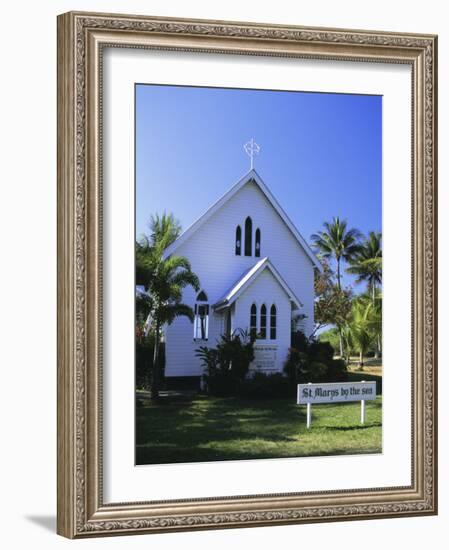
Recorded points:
251,149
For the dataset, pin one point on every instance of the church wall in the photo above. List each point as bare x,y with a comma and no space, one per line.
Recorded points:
266,290
180,359
211,251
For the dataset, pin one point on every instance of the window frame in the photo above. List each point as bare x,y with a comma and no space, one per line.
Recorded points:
257,245
238,241
253,317
248,248
263,322
273,326
200,331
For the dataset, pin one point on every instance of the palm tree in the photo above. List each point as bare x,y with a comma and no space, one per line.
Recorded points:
361,327
367,263
163,280
164,229
375,318
338,242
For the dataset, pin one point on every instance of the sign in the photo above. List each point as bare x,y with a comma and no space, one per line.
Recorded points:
336,392
265,357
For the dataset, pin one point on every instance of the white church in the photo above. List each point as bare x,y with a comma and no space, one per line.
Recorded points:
256,273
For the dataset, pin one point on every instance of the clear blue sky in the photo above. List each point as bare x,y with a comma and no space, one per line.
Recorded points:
321,154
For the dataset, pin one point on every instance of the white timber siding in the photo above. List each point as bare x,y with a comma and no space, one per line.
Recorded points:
266,290
211,251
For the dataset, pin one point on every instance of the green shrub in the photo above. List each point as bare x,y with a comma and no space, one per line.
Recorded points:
296,366
317,372
299,341
226,365
321,351
332,336
221,384
313,362
337,371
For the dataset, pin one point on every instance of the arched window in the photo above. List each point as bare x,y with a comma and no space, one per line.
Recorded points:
263,322
258,242
273,322
248,236
201,319
238,240
253,321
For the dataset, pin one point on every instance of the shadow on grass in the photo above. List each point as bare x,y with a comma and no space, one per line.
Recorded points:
201,429
352,428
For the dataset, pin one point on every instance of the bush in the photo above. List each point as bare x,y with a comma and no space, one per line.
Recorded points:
317,372
321,351
296,365
332,336
299,341
227,364
337,371
265,386
221,384
313,362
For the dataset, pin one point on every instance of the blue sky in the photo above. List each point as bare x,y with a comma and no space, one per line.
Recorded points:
321,154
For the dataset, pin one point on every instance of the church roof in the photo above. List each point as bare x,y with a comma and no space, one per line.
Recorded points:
251,176
247,278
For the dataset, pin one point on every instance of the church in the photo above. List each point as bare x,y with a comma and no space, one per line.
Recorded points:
256,273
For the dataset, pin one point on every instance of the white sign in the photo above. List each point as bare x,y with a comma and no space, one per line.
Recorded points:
336,392
265,357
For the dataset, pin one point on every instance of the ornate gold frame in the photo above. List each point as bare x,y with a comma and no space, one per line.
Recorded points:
81,37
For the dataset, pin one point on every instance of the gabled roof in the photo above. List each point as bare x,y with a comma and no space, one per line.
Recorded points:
251,176
247,278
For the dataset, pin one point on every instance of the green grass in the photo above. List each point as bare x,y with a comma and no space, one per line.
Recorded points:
198,429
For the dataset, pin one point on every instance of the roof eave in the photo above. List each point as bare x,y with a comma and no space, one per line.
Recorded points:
263,264
252,175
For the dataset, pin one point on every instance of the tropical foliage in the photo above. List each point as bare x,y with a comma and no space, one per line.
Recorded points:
332,303
361,333
337,242
227,364
357,319
313,361
360,329
161,282
367,262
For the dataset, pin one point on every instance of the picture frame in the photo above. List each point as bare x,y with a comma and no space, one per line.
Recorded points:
82,40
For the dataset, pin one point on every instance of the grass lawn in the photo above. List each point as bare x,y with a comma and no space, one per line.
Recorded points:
200,428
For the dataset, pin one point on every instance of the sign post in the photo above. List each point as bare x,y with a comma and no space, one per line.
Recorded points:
335,392
362,410
309,413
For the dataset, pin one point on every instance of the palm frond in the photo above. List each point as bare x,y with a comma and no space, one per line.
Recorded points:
172,311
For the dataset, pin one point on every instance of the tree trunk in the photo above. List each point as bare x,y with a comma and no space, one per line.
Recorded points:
361,360
341,343
377,351
338,274
156,374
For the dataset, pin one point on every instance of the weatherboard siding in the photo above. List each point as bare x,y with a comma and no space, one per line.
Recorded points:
211,251
266,290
